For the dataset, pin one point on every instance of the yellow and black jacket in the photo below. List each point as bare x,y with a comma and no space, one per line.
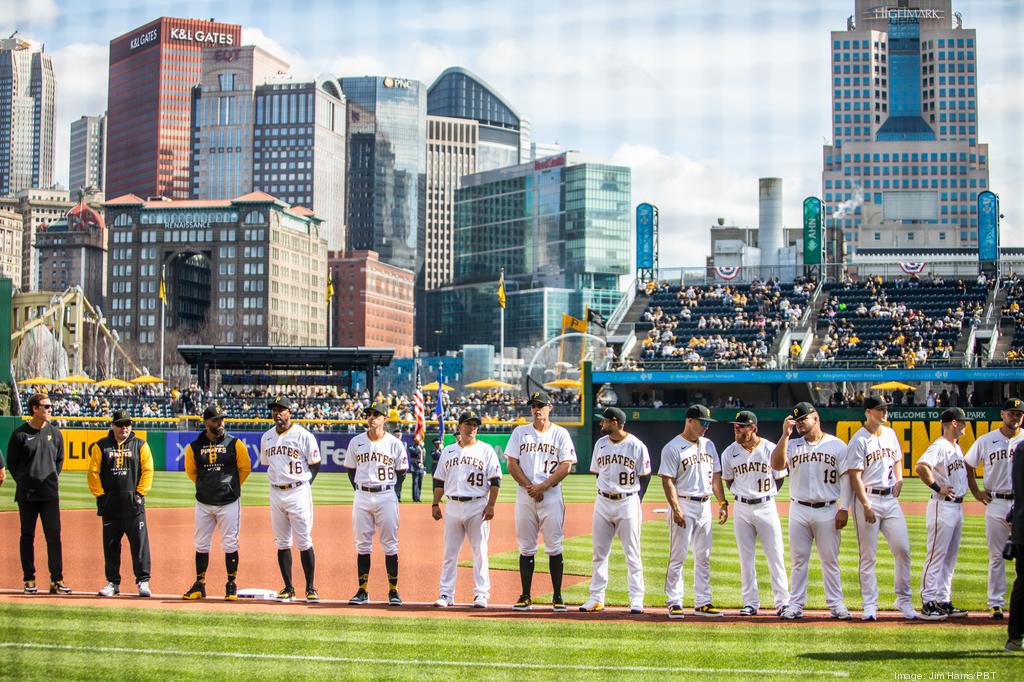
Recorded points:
120,475
218,469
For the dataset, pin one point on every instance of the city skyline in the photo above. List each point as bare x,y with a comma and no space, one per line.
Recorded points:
683,95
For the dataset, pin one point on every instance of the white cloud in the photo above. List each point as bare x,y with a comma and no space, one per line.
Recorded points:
255,36
28,13
80,70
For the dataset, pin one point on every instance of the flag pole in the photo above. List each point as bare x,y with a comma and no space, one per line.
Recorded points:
163,310
501,338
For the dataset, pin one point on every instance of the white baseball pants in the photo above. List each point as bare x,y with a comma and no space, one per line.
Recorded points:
755,522
696,532
371,511
462,520
997,532
807,525
209,517
945,522
291,513
545,516
622,518
893,525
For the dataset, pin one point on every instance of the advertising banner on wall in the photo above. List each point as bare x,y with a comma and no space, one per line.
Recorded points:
645,236
77,442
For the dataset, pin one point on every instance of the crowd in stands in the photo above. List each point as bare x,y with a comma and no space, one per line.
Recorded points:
1012,312
720,324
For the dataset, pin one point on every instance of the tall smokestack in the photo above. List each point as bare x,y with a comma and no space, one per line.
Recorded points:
770,238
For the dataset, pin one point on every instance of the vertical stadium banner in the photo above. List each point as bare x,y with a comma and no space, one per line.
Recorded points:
814,244
644,236
988,226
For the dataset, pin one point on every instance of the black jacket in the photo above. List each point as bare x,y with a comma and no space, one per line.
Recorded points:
120,476
1017,532
35,459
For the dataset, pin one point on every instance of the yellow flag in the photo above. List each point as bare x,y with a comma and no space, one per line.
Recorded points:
163,291
330,290
501,291
570,322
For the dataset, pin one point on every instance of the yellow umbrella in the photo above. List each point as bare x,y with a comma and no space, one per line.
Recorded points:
76,379
564,383
432,386
893,386
147,379
37,381
490,383
115,383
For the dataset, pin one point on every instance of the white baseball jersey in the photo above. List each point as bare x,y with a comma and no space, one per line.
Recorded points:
376,462
994,451
691,464
815,468
288,455
948,467
467,471
751,471
620,465
539,454
878,457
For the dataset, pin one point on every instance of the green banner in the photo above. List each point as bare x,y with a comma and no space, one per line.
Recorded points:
498,441
814,243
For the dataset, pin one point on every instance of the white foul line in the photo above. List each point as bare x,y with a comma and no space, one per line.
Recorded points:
413,662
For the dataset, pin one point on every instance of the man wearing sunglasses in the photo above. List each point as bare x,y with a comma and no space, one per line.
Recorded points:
35,456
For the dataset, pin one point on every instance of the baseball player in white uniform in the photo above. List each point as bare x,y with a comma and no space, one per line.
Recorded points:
374,460
620,460
747,470
218,463
690,474
292,457
943,469
469,473
819,492
994,452
540,455
875,460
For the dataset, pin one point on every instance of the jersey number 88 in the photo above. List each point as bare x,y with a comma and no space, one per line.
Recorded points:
627,478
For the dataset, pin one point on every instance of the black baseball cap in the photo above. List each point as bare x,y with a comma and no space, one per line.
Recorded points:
801,410
121,417
284,402
744,418
539,398
1014,405
614,413
214,411
469,416
873,403
378,406
699,412
953,414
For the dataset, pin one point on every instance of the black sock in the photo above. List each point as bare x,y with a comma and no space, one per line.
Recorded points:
231,563
526,572
391,566
308,564
363,569
202,563
555,565
284,562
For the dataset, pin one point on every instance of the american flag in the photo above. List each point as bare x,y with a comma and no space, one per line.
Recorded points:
417,410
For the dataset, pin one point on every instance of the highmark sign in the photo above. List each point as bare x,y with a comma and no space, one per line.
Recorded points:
897,13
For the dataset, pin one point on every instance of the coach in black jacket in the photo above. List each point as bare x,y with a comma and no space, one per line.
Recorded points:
35,457
1015,627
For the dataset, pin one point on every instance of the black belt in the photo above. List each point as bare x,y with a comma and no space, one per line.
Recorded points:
881,492
289,486
753,500
695,499
956,500
816,505
465,499
375,488
1002,496
614,496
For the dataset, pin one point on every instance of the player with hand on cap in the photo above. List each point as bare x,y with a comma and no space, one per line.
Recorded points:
875,460
943,469
218,464
819,491
690,473
469,473
374,460
540,455
747,470
292,457
620,460
994,451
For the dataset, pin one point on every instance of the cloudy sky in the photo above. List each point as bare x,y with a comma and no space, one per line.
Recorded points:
699,98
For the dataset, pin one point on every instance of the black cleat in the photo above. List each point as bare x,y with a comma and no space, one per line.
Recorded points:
230,591
197,591
359,598
394,599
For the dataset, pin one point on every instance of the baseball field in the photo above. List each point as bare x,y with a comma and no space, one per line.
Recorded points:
83,637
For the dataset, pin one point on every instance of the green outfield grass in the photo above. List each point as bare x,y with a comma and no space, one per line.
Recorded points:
174,489
969,581
153,644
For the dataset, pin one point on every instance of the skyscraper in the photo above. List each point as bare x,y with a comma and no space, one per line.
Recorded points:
149,104
387,133
88,154
905,166
27,102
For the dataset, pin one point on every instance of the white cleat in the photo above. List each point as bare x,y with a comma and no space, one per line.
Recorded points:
144,590
909,613
869,615
444,601
479,602
840,612
791,613
636,607
592,605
